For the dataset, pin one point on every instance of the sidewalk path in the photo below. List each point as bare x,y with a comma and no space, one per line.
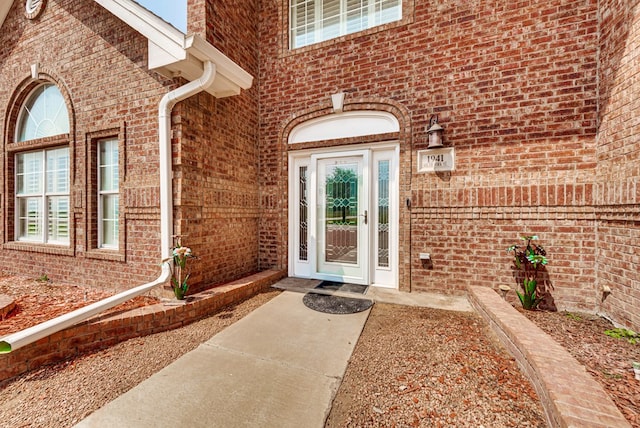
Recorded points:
280,366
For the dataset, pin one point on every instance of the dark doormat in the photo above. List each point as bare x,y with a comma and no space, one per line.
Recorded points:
341,286
335,304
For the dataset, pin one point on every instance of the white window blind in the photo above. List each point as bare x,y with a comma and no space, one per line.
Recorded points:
313,21
42,196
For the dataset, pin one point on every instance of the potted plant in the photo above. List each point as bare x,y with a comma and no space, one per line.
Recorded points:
180,276
528,261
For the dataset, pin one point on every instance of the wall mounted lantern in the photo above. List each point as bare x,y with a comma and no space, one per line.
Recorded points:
435,133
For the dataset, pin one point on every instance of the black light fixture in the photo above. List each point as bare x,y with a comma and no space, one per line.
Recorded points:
435,133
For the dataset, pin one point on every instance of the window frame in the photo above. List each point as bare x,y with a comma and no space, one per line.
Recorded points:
24,113
21,96
316,34
102,194
45,196
95,249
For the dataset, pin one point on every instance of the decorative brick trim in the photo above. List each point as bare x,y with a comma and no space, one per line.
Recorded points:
57,250
554,373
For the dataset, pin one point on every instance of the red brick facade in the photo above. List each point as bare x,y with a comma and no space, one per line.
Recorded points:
617,255
99,65
537,98
516,89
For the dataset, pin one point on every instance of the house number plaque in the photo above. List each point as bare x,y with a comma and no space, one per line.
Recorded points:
434,160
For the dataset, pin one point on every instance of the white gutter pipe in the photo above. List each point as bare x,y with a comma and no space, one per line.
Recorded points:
164,118
19,339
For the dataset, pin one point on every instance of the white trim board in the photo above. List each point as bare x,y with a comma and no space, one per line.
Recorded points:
171,52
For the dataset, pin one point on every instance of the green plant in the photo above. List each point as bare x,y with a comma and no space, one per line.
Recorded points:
43,278
622,333
529,261
180,277
573,316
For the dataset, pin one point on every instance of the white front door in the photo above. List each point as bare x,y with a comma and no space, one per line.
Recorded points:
343,216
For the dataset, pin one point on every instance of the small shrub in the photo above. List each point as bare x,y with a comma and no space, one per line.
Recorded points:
573,316
528,262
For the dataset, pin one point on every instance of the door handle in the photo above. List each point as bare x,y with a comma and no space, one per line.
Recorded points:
365,215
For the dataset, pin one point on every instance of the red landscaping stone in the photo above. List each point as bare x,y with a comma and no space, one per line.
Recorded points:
7,304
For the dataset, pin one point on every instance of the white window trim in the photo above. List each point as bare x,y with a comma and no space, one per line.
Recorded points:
318,36
44,197
100,193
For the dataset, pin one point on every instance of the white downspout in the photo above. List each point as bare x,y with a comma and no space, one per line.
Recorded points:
19,339
166,174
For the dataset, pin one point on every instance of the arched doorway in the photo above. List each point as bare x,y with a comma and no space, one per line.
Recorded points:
343,201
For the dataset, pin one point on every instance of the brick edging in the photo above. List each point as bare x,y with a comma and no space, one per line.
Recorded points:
569,395
107,330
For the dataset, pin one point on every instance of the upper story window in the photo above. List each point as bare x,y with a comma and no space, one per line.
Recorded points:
43,115
314,21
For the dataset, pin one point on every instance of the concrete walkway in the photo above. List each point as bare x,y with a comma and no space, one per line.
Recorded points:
280,366
383,295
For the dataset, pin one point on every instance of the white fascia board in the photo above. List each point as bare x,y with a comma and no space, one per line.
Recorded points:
174,54
159,57
156,30
192,69
5,6
204,51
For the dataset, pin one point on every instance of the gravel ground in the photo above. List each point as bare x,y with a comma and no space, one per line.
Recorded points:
63,394
421,367
411,366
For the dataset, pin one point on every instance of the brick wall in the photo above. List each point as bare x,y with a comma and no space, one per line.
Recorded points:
216,163
515,89
100,66
618,155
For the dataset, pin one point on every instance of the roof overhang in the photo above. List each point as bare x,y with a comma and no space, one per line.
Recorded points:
171,52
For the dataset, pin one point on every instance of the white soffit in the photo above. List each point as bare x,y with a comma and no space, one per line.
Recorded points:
344,125
174,54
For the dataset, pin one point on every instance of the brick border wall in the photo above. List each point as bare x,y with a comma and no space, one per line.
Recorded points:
107,330
553,372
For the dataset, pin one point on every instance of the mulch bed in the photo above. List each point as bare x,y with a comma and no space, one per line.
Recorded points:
606,358
41,300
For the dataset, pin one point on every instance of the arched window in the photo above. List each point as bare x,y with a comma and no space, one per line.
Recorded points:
43,115
42,173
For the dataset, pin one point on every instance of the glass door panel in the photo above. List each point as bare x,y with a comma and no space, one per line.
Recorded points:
341,213
342,206
343,216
